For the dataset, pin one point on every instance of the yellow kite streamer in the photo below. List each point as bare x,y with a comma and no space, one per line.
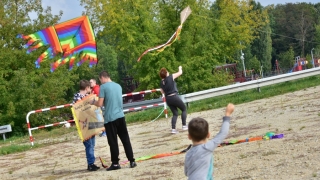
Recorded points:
183,16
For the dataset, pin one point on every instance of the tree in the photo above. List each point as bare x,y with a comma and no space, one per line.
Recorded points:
261,47
208,37
23,87
294,27
108,60
286,59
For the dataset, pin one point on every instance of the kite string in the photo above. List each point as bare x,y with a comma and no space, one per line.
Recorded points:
158,116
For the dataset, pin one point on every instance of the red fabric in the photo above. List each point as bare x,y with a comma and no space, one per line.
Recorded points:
96,89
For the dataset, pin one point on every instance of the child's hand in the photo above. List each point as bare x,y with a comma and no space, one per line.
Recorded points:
229,109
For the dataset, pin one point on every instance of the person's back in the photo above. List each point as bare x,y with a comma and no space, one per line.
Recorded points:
199,159
112,94
114,120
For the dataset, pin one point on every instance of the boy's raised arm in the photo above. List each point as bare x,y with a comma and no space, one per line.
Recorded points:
224,128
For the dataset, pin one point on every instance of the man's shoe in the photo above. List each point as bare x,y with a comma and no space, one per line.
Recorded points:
184,128
114,167
93,167
133,164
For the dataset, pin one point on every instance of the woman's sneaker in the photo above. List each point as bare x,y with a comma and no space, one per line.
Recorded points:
174,131
184,128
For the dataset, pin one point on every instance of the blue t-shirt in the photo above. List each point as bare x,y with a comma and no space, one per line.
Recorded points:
113,104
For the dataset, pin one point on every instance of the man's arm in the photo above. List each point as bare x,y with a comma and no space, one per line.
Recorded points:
98,103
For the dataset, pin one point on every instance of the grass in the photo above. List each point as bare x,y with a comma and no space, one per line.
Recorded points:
20,144
235,98
57,135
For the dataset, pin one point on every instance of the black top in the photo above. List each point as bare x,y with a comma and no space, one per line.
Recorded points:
168,85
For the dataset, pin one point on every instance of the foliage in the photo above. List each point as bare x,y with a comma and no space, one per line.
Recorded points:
23,87
214,34
236,98
286,59
294,27
254,65
107,60
208,37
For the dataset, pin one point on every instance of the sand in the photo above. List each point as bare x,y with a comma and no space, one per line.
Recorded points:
296,156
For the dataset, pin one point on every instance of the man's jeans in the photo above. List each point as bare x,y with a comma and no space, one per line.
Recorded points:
89,144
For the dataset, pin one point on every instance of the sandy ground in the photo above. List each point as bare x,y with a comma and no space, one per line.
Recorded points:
296,156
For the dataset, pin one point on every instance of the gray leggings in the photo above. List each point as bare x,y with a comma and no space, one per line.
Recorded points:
174,102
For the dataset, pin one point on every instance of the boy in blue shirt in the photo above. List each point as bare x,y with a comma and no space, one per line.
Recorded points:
90,143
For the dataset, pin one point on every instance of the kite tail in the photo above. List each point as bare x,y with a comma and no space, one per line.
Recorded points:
65,60
71,62
83,59
32,44
59,62
177,35
41,58
55,65
143,158
102,163
160,48
93,61
187,149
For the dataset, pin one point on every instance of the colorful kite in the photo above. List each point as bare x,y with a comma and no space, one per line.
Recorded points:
267,136
88,118
70,39
143,158
183,16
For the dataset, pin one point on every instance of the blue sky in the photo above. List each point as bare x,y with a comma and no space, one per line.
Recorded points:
72,9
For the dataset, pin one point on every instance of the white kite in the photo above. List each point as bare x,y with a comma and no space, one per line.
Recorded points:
183,16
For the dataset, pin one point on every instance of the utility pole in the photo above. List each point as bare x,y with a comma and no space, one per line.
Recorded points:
242,58
244,68
312,57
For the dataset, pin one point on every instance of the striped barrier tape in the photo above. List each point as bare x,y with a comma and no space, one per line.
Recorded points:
143,107
68,105
141,92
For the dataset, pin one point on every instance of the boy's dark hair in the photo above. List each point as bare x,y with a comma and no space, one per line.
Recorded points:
104,74
84,84
198,129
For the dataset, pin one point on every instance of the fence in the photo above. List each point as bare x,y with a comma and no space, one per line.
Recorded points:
40,127
148,106
69,105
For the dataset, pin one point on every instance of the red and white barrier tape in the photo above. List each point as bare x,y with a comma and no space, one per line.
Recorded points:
141,92
68,105
54,124
143,107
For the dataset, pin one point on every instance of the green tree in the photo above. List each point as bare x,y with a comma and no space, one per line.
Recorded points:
286,59
261,47
294,27
107,60
208,37
23,87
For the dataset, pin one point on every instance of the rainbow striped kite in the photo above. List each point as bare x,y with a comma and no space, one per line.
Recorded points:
70,39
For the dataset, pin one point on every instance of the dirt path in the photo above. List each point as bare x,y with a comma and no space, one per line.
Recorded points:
296,156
